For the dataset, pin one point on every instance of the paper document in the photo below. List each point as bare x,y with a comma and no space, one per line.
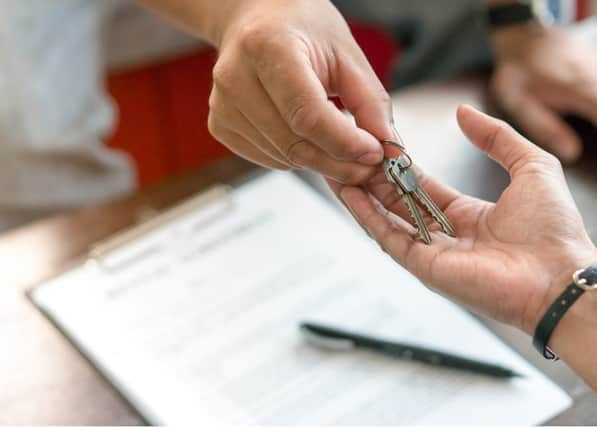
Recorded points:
197,322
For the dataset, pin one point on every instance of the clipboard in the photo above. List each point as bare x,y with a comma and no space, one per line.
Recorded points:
152,210
253,288
209,192
100,252
161,204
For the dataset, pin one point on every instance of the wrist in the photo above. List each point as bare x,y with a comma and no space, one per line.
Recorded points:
581,257
207,19
515,40
223,19
516,24
574,337
579,320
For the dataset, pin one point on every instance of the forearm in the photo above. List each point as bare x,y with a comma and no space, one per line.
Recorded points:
204,18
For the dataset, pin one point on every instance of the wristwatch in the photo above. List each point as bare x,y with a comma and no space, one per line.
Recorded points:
584,280
534,12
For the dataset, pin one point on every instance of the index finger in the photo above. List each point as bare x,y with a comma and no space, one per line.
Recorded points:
302,100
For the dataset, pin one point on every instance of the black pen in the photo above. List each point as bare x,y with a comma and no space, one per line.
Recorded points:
338,339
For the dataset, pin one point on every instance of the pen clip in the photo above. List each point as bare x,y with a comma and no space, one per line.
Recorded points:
325,342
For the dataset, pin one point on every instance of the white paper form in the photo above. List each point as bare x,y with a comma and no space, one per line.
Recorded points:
203,328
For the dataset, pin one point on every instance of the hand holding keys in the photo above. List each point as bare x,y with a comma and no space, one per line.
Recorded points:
399,172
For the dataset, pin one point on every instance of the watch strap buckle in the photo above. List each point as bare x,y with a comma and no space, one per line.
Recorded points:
549,354
586,278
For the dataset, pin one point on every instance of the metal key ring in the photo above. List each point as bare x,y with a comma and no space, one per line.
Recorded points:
402,148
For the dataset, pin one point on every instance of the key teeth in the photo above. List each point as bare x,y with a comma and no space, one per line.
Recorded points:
417,219
444,224
450,232
435,212
425,238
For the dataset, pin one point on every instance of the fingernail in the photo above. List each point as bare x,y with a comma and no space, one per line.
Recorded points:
391,151
571,154
371,159
568,150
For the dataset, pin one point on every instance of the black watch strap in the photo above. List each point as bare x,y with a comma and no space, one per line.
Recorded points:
583,280
505,15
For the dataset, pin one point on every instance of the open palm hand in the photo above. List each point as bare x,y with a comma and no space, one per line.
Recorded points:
508,257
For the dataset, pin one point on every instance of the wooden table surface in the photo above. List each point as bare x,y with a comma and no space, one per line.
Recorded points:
44,380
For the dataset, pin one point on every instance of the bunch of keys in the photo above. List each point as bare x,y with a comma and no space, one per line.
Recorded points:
399,172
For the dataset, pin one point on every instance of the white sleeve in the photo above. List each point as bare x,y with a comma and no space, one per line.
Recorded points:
54,112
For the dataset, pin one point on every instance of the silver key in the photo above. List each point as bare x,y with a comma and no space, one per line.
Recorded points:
400,173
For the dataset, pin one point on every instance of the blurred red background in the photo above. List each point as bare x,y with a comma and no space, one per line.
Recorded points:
163,107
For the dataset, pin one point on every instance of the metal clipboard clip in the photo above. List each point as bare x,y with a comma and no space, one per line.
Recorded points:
215,202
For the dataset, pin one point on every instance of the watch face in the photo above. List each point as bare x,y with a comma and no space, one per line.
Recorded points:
542,12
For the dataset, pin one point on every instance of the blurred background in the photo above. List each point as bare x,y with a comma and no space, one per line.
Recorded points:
77,76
